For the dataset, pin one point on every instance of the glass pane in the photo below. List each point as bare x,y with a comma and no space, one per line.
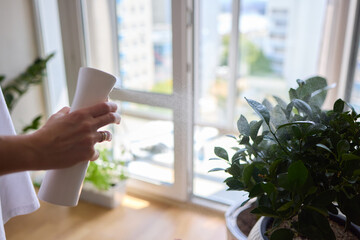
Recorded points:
276,47
355,93
279,42
145,45
213,47
147,143
211,185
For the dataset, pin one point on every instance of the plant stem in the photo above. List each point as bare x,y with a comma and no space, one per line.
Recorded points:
277,140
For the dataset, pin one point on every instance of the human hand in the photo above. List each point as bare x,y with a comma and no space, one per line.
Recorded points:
69,138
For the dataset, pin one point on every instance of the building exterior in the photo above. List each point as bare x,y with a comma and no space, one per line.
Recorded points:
145,42
294,36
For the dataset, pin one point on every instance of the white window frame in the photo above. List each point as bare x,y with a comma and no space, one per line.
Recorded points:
339,43
49,40
180,102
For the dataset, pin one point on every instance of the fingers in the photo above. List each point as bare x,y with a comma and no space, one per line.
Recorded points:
102,108
95,156
102,136
107,119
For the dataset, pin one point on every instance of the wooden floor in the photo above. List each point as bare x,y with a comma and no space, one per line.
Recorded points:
136,219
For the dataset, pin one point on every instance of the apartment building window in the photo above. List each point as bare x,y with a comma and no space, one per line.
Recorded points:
185,67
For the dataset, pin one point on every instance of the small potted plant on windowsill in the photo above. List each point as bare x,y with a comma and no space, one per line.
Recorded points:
105,181
303,168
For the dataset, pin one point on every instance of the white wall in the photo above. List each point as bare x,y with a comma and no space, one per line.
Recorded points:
18,50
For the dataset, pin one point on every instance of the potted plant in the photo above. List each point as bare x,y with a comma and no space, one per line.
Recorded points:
104,183
300,163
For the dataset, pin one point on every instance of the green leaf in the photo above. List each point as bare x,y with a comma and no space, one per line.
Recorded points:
221,153
297,174
302,106
351,163
268,187
34,125
283,234
339,106
260,110
234,184
283,181
238,155
324,147
216,169
319,90
288,110
248,171
312,88
324,198
34,74
274,166
256,191
245,140
265,211
343,146
297,132
281,102
254,128
292,94
236,170
2,78
267,104
278,117
315,225
285,206
243,126
231,136
300,82
322,210
296,123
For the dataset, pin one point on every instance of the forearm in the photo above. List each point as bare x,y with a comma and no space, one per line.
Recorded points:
18,153
65,140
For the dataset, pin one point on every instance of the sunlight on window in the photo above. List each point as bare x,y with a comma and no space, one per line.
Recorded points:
148,142
274,49
145,45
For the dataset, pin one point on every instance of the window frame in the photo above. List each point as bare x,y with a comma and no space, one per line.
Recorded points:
182,99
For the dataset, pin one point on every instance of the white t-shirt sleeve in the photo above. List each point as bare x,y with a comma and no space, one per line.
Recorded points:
17,195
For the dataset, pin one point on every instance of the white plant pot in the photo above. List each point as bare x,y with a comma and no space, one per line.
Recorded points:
107,198
255,233
232,229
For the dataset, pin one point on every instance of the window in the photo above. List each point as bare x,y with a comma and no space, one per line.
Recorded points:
270,57
185,68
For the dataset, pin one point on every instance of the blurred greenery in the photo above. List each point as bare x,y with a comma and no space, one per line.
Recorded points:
165,87
14,89
33,75
250,54
106,171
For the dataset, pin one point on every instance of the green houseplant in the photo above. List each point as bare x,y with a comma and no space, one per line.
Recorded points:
302,166
14,89
104,182
106,171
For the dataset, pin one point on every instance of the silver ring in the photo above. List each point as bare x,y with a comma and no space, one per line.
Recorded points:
103,136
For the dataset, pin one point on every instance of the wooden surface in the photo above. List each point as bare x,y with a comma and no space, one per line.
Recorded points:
136,219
